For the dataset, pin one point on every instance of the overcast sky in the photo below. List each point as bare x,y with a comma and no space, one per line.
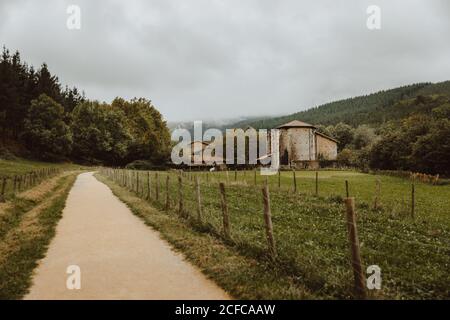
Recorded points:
215,59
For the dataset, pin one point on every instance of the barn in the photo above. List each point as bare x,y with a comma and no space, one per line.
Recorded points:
302,146
197,151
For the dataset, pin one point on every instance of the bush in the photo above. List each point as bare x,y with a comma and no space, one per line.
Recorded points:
45,132
144,165
5,154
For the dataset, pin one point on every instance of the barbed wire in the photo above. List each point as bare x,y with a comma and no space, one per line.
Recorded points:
190,203
362,227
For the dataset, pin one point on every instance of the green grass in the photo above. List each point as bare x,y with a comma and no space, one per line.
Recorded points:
241,276
21,166
26,227
432,201
311,235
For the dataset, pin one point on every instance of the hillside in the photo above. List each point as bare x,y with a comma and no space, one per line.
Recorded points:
373,109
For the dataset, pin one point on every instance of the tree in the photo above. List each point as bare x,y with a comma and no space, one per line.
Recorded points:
363,136
417,143
45,132
71,98
431,152
100,133
344,134
48,84
30,113
14,98
150,135
325,130
346,157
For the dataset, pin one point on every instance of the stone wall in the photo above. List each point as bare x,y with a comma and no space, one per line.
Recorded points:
299,143
326,147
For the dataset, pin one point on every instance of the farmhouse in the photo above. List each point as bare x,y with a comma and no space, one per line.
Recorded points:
302,146
197,149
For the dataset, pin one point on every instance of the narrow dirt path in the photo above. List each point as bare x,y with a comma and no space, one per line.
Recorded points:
119,257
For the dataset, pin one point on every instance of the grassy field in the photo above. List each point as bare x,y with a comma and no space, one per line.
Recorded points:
432,202
19,175
21,166
27,224
310,232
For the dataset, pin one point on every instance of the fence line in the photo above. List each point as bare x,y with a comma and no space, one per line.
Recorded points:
11,185
190,198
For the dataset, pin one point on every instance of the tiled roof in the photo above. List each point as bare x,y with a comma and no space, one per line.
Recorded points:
296,124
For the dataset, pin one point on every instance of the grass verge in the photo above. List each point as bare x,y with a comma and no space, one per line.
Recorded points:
27,225
241,276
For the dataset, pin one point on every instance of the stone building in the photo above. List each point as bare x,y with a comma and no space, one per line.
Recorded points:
302,146
197,150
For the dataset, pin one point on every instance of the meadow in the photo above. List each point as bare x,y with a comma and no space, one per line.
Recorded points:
21,166
20,174
431,201
310,231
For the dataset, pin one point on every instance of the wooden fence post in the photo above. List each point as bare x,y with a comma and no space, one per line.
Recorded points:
294,180
413,200
137,183
149,186
157,186
360,290
235,175
167,206
2,194
268,222
279,179
346,188
199,200
317,183
376,202
226,218
131,180
255,177
20,184
180,196
142,192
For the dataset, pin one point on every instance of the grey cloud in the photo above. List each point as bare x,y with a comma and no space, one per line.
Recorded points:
209,59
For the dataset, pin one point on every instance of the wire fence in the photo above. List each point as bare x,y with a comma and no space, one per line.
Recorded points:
11,185
312,240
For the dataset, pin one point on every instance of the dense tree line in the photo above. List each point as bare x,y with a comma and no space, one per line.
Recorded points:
405,128
373,109
20,84
55,124
419,142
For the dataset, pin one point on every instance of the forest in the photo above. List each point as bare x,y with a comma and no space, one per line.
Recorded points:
405,128
39,119
417,143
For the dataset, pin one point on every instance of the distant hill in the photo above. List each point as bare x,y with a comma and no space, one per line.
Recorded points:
217,124
372,109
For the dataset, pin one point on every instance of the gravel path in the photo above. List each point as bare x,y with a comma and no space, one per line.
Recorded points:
119,257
